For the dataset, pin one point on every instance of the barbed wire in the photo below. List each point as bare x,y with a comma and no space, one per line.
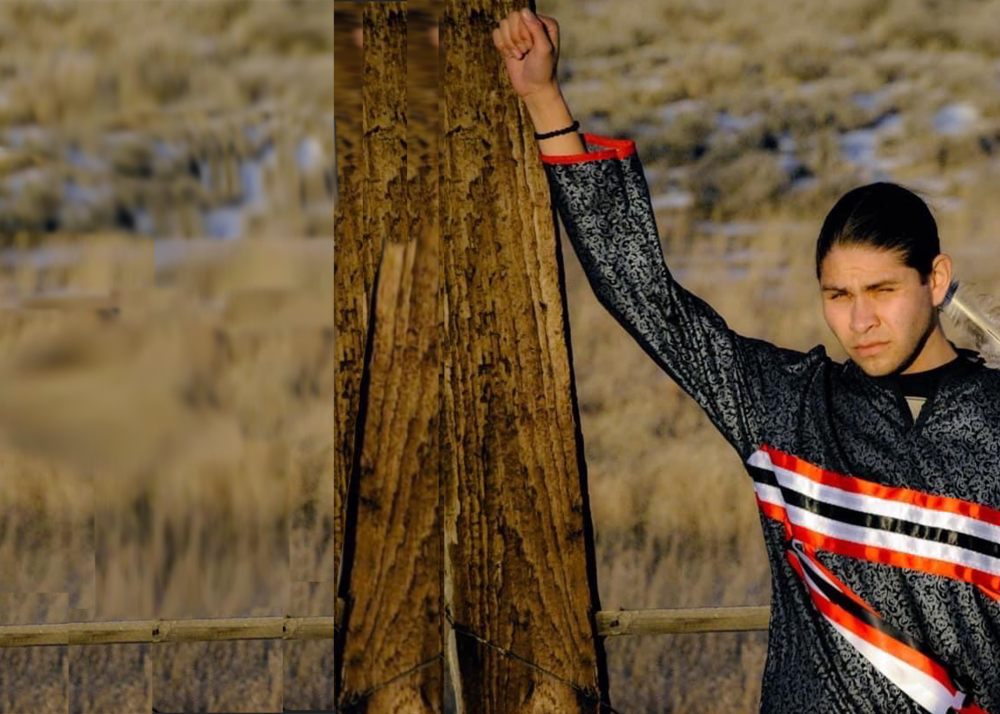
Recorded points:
584,692
361,696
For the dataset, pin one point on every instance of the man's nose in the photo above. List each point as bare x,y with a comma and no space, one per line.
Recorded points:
863,316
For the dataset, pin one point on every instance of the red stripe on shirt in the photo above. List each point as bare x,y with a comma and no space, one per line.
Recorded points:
875,554
616,149
889,493
876,637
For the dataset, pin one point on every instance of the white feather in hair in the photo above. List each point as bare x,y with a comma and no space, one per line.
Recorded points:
977,315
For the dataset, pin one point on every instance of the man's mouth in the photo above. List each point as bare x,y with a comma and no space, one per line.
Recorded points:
870,348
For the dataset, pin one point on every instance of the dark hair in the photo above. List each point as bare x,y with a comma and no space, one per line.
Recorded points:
884,216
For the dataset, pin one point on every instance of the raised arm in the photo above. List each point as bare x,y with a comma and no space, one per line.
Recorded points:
529,44
603,199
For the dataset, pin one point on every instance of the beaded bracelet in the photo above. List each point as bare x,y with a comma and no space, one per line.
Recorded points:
572,127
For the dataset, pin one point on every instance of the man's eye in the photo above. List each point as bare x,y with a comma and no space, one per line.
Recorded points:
886,290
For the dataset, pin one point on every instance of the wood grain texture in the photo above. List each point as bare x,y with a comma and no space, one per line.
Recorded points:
138,631
679,621
397,696
356,256
519,573
391,653
394,613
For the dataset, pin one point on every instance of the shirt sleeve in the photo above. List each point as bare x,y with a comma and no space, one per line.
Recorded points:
604,202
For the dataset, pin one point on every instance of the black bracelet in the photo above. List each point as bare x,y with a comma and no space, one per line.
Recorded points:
572,127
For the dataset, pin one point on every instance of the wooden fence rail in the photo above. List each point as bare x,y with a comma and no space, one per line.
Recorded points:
610,623
613,623
133,632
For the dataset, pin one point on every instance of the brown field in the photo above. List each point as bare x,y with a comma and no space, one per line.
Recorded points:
172,461
740,198
165,420
166,119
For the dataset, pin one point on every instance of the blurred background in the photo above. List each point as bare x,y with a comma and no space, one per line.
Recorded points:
167,190
167,120
751,119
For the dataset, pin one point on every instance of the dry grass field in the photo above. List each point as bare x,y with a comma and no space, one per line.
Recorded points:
166,446
194,119
172,460
751,119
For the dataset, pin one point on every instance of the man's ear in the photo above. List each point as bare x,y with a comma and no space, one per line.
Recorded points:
940,278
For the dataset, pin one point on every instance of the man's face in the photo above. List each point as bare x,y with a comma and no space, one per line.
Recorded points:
876,306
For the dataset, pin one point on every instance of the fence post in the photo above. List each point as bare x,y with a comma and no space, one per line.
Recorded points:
520,590
390,640
354,263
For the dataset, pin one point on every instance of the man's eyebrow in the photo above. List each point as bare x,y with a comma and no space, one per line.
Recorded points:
882,284
873,286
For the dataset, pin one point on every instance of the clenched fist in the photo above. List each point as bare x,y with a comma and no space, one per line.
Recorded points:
530,47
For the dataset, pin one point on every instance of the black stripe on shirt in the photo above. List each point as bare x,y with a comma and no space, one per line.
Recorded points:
855,610
889,524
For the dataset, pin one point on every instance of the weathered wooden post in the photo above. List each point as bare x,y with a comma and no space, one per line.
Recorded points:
520,584
355,259
467,404
390,645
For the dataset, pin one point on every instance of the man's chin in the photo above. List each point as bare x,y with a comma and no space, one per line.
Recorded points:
877,366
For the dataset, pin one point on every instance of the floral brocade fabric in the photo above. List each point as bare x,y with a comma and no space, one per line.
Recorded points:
823,412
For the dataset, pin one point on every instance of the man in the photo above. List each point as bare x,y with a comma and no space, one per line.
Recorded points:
878,480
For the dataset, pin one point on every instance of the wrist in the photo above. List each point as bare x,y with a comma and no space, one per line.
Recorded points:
542,97
548,110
